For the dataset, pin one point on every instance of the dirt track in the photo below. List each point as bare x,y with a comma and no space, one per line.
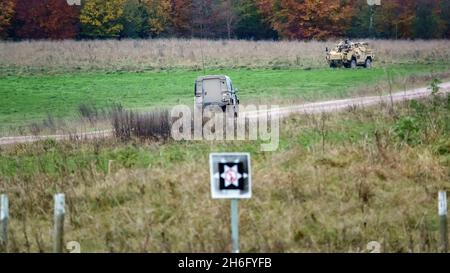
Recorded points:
337,105
315,107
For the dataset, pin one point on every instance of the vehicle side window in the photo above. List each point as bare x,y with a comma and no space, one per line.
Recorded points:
198,88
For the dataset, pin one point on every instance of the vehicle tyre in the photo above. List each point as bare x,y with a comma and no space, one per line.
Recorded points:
353,64
368,63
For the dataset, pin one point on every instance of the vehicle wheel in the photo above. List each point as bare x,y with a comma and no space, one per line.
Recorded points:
353,64
333,65
368,63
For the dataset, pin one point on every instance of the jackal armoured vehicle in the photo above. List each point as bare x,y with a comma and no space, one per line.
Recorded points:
350,55
216,90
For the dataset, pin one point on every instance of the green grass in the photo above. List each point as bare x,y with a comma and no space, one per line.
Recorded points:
29,98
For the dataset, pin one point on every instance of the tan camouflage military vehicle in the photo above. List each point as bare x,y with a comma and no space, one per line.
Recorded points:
350,55
216,90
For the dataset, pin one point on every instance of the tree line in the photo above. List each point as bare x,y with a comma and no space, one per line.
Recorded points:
240,19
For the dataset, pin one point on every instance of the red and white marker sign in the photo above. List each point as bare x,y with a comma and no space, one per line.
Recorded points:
230,175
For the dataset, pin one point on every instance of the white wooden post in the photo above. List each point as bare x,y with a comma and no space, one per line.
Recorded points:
4,218
110,164
58,217
442,211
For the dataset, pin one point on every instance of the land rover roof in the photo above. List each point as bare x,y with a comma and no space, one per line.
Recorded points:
208,77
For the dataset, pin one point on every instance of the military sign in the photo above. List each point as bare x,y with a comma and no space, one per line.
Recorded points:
230,175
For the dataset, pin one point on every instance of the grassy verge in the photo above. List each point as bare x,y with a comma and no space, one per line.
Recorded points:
335,183
31,98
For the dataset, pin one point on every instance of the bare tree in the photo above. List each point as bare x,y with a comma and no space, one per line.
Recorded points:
228,13
202,18
215,18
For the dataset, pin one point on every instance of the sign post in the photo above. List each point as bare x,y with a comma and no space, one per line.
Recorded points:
231,179
234,226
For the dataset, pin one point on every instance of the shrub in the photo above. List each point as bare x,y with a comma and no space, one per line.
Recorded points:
151,125
407,130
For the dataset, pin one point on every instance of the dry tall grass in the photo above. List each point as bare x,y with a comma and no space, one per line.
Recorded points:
178,53
128,124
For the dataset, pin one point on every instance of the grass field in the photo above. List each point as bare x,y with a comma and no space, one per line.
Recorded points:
163,54
50,79
336,183
31,98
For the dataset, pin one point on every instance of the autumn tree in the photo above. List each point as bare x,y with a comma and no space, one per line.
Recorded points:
218,19
102,19
158,16
45,19
204,18
308,19
181,14
394,19
244,19
6,14
134,19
